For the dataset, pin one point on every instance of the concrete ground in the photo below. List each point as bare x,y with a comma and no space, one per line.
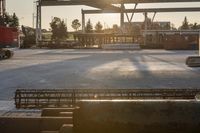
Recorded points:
41,69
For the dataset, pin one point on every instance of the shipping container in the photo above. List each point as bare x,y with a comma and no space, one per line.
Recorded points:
8,37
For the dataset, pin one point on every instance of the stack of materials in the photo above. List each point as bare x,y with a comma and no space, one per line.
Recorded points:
121,46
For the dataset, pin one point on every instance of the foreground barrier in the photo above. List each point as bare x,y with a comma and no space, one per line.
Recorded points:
161,116
26,98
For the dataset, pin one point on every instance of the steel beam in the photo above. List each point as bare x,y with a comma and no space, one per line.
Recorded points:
199,43
133,12
97,4
154,15
145,27
122,16
191,9
88,2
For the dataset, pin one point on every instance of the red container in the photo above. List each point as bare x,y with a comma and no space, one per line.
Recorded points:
8,36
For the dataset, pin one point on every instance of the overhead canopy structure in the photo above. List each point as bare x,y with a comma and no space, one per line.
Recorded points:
109,6
103,3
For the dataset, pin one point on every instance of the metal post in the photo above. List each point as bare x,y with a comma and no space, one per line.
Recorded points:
38,23
83,21
133,12
122,16
33,23
4,7
0,7
145,28
154,15
36,30
199,42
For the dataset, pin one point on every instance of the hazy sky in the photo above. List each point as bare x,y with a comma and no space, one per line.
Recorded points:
25,8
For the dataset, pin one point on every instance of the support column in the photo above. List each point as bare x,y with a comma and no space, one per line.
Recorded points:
145,28
38,23
122,16
4,7
83,21
199,42
0,7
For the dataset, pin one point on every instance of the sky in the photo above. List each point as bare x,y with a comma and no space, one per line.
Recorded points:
24,9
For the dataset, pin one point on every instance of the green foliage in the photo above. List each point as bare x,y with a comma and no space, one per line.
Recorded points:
76,24
59,29
98,27
29,37
89,27
195,26
15,21
185,25
136,30
149,24
116,28
9,20
1,21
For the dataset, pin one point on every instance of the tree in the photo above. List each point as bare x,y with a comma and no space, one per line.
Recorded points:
76,24
135,30
149,23
98,27
89,27
29,37
15,21
167,26
59,29
195,26
2,21
173,26
9,20
116,28
185,25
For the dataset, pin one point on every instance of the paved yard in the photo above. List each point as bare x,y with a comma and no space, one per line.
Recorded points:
42,69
